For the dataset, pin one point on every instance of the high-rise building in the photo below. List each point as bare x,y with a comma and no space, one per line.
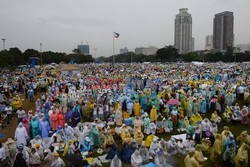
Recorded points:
183,31
209,42
83,49
124,50
223,33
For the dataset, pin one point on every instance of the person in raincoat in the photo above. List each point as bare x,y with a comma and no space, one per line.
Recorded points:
54,120
118,117
86,146
75,118
112,152
136,159
21,135
146,124
190,107
138,136
126,137
34,127
189,131
61,119
244,115
116,162
190,160
168,125
215,118
203,107
216,150
44,128
153,114
137,108
144,153
241,158
126,153
94,136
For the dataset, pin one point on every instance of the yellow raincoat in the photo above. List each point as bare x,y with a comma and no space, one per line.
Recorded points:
138,137
149,140
17,102
153,114
126,137
195,118
216,150
137,108
241,159
117,105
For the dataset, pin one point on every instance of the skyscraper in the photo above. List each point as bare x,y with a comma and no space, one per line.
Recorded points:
209,42
183,31
223,33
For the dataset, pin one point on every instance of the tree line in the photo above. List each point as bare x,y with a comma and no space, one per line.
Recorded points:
170,54
14,57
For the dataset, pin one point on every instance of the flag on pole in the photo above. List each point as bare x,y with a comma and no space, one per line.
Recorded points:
116,35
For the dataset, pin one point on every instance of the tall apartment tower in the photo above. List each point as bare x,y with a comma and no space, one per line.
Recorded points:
209,42
183,31
223,33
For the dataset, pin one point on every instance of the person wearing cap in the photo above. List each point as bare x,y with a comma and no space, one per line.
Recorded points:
11,149
34,158
58,162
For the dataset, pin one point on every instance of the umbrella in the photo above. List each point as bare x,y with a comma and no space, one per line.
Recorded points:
173,102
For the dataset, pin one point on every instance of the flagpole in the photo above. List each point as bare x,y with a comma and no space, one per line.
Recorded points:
113,48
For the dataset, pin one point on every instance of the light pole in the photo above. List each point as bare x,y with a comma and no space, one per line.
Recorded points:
3,43
41,45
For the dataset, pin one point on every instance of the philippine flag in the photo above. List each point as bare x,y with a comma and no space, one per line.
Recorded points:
116,35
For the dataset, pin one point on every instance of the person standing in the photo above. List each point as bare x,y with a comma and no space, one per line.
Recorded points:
20,114
8,110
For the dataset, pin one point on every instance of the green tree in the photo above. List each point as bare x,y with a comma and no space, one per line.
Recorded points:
168,53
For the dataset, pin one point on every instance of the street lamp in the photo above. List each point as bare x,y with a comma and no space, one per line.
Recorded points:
3,43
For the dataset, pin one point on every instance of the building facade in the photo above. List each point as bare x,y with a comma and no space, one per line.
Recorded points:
209,42
243,47
223,31
151,50
124,50
83,49
183,31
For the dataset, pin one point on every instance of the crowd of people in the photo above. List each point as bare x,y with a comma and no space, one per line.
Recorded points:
137,114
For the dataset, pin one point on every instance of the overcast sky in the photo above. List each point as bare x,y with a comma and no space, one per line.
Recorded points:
63,24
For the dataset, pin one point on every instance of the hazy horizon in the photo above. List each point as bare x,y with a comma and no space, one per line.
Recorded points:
61,25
